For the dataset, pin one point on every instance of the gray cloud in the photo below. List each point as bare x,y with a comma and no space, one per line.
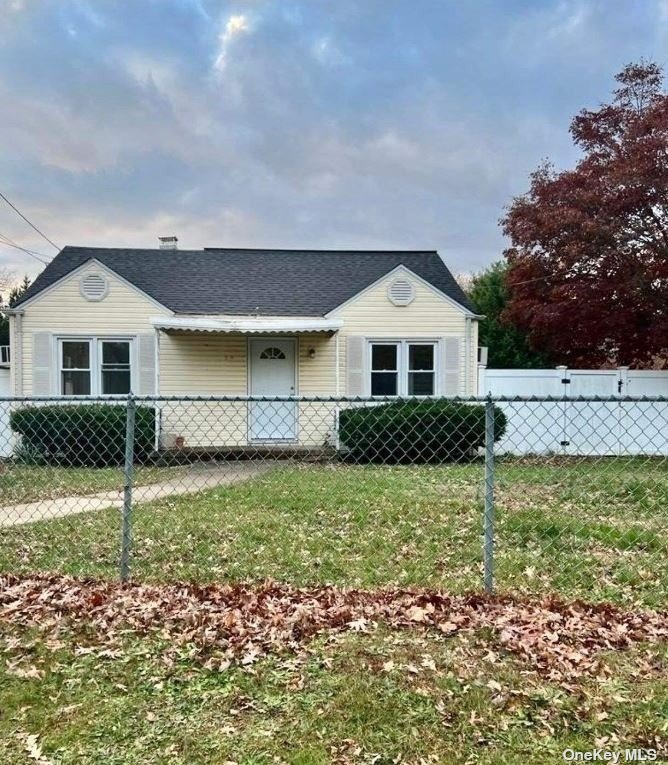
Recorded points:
292,123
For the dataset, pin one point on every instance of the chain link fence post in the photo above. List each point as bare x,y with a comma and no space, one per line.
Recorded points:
488,521
126,520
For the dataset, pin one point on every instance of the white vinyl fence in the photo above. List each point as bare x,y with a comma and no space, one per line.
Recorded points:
569,427
6,440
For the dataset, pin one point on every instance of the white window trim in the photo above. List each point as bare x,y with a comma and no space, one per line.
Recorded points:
95,344
402,362
62,369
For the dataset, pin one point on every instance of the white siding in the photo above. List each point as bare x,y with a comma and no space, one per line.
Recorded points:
317,377
428,317
200,365
62,310
204,364
473,360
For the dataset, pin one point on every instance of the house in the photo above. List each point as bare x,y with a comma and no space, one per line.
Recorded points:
234,322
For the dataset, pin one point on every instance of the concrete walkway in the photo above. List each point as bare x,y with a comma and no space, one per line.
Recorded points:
195,478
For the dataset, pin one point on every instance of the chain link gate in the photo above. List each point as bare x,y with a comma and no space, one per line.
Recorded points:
455,494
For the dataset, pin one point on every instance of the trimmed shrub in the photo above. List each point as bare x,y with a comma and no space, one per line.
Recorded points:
81,434
416,431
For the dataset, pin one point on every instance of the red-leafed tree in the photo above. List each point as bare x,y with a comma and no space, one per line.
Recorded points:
588,277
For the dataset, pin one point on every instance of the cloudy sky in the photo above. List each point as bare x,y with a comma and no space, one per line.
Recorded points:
355,123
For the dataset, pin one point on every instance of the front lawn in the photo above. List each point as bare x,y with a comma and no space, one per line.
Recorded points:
334,703
595,530
184,676
31,483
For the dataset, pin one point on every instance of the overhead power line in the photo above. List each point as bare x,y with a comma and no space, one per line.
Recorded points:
37,255
30,223
536,279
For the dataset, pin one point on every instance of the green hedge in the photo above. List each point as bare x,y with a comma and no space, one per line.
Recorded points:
416,431
81,434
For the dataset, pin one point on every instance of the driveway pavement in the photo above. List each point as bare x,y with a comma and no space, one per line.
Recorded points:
194,479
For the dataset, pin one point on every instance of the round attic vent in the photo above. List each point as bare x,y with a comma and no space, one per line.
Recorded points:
401,292
94,286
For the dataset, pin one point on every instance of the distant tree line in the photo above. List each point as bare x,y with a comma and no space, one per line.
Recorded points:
14,294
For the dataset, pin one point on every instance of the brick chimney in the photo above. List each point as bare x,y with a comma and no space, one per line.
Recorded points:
169,242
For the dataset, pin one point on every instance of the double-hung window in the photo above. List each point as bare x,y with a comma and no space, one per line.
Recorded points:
403,368
115,370
384,369
421,369
95,366
75,368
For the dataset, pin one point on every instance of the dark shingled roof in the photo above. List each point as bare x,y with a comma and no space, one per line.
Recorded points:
266,282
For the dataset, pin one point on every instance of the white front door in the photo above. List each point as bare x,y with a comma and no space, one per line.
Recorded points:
272,373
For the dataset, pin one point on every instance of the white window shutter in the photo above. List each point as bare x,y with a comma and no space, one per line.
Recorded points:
451,364
146,359
356,365
42,364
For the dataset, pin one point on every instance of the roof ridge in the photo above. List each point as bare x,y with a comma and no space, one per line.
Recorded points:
385,251
307,249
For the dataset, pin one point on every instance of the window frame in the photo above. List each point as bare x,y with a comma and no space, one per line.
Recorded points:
62,369
95,361
403,368
420,370
396,371
276,354
100,358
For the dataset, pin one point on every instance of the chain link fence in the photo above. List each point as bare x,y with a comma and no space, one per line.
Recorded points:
524,495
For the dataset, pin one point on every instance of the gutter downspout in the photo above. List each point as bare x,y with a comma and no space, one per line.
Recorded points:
467,355
18,373
16,351
156,372
338,362
337,408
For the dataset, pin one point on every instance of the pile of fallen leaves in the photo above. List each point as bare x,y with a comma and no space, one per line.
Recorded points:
242,622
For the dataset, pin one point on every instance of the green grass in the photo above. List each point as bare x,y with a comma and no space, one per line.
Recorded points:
353,698
27,483
594,530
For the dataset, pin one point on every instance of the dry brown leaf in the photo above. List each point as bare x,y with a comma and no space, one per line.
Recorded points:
221,623
34,750
27,673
